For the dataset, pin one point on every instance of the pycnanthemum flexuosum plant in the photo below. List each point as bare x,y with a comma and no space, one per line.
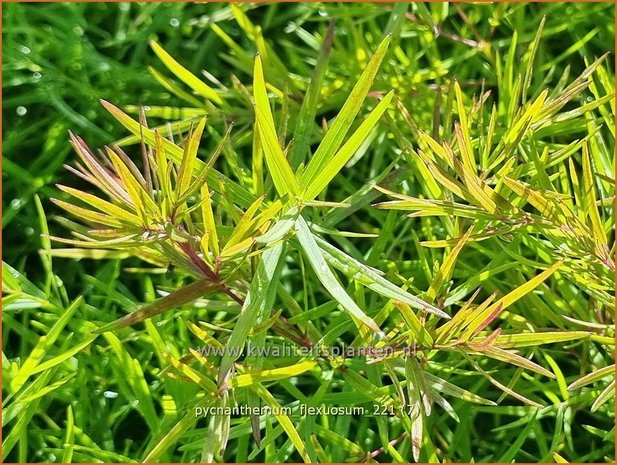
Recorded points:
164,213
237,241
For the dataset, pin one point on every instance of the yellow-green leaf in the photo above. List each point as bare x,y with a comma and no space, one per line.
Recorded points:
337,132
258,376
282,174
342,156
187,165
185,75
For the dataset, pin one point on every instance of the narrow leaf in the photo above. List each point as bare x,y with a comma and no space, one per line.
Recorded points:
340,158
282,174
185,75
258,376
327,278
182,296
259,298
337,132
306,118
372,278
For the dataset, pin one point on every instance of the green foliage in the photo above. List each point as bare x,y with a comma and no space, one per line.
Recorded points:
428,181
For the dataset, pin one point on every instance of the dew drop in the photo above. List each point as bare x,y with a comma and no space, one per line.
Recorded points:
37,75
29,231
21,110
136,402
23,49
323,13
104,66
16,203
174,22
110,394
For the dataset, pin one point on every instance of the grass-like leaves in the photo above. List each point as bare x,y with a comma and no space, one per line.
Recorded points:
405,214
